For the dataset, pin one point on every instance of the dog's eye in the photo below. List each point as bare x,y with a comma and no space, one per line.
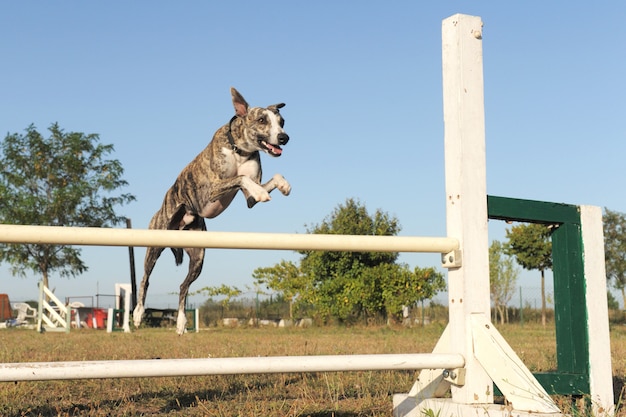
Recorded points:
261,120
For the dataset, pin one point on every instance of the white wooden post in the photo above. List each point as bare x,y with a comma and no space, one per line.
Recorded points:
600,373
125,291
110,319
466,195
40,310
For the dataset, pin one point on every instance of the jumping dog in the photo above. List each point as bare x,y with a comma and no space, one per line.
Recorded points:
206,187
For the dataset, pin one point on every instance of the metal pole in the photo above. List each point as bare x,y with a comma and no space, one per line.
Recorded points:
133,277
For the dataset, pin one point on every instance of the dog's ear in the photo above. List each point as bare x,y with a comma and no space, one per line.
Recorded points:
274,107
241,106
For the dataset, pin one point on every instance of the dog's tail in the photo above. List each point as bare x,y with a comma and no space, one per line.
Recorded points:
178,255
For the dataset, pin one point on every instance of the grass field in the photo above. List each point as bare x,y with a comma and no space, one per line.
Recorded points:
349,394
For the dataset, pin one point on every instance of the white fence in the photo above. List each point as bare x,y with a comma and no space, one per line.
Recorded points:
52,317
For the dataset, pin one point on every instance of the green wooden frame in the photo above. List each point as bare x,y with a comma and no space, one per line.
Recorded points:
572,336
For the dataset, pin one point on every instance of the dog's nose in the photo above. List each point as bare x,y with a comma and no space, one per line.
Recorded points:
283,138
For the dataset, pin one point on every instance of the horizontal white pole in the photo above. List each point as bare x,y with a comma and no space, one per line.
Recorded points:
40,371
226,240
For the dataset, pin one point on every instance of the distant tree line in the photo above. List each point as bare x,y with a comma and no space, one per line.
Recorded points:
68,179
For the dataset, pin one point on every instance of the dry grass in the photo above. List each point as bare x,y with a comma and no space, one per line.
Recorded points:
319,394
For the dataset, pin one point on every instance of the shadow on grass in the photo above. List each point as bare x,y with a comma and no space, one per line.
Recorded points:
260,393
148,403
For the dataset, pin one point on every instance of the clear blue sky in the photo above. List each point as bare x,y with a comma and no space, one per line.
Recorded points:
362,83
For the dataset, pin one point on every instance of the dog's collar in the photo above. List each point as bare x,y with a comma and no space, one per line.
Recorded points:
231,140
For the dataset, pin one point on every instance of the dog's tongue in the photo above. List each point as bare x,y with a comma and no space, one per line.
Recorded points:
275,150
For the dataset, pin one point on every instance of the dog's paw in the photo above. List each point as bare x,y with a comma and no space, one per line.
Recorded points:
254,191
282,184
261,195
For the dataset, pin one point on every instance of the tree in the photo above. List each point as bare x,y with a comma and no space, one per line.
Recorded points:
402,287
286,278
615,249
351,285
62,180
611,301
502,279
215,311
337,278
532,247
225,290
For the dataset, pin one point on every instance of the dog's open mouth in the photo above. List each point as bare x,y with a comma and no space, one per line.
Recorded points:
273,150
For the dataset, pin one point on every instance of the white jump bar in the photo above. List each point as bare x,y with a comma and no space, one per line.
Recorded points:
95,236
40,371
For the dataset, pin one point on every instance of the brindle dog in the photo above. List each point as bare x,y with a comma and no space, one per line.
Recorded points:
205,188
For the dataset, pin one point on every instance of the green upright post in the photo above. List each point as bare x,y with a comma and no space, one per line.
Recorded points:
572,261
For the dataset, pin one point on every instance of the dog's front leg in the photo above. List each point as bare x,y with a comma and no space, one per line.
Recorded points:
277,181
222,193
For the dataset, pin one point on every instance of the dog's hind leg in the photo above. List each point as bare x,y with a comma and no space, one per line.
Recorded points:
196,260
152,254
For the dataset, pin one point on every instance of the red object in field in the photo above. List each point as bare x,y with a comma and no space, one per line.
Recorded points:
5,308
94,318
100,315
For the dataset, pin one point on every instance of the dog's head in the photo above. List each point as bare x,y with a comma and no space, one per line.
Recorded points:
261,128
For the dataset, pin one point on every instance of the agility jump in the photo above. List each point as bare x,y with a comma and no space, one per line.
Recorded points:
470,356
